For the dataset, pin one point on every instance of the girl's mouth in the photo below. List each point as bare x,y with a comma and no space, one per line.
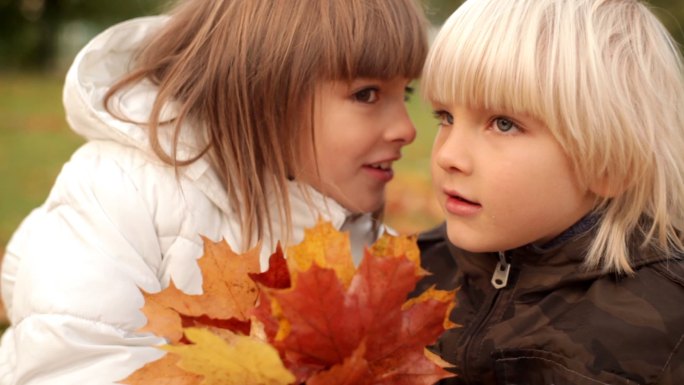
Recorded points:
380,171
385,166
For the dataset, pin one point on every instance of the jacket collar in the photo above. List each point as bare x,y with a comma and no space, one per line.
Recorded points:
558,262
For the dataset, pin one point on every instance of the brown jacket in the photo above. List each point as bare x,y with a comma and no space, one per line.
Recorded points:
556,323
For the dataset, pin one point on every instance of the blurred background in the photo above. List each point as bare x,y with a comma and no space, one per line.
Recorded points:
38,40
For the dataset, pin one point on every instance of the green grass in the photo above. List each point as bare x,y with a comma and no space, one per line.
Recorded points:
34,143
416,158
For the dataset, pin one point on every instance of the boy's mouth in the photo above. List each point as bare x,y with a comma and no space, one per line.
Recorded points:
461,199
462,207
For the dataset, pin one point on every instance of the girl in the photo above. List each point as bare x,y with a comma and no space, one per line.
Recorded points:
558,164
238,119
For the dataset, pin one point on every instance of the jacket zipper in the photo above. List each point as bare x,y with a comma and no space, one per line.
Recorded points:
501,272
499,281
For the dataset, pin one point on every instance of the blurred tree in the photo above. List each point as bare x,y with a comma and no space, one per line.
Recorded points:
670,12
29,29
439,10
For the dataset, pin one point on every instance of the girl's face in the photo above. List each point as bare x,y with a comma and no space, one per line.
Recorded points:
360,128
502,180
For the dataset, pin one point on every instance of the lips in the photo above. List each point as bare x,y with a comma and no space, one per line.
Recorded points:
381,170
458,205
460,198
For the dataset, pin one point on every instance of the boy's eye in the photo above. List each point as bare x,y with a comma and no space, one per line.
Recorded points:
366,95
504,125
445,118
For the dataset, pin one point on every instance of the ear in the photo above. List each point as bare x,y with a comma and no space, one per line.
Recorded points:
606,187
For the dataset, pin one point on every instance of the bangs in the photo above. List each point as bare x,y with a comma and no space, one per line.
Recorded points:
494,62
373,38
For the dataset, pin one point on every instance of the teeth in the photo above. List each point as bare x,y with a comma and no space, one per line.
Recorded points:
382,166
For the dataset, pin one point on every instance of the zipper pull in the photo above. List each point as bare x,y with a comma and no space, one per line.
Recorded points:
500,276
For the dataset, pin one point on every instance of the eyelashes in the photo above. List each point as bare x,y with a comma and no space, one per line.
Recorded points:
501,124
443,117
367,95
371,94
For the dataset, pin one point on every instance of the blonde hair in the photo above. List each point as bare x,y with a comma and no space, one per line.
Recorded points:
244,72
606,78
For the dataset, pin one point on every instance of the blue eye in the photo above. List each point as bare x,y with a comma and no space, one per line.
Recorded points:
444,118
504,125
366,95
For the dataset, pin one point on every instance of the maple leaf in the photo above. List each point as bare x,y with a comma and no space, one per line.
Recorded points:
324,246
164,371
323,320
353,371
238,360
277,276
226,359
228,297
391,246
312,318
209,319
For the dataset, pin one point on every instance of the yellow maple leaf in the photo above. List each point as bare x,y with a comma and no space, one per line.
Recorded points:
398,245
238,361
327,247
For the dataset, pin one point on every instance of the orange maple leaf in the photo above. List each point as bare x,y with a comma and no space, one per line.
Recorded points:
228,297
164,371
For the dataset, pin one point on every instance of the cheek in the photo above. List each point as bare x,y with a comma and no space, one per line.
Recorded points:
434,153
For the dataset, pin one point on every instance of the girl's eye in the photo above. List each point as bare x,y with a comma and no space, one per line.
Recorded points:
504,125
408,92
366,95
444,118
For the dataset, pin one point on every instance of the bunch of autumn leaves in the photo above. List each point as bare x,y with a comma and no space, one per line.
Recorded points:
314,318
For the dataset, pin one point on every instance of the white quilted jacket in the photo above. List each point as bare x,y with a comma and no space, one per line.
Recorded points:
116,220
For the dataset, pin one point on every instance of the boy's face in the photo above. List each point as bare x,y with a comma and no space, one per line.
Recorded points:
502,180
359,131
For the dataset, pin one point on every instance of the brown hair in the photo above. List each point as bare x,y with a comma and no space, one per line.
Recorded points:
243,71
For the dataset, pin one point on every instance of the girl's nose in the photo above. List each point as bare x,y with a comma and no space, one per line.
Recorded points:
401,128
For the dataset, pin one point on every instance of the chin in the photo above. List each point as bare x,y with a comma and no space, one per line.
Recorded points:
466,243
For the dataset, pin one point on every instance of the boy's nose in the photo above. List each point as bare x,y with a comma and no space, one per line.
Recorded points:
451,153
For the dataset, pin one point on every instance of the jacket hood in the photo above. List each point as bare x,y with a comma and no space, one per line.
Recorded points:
103,61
